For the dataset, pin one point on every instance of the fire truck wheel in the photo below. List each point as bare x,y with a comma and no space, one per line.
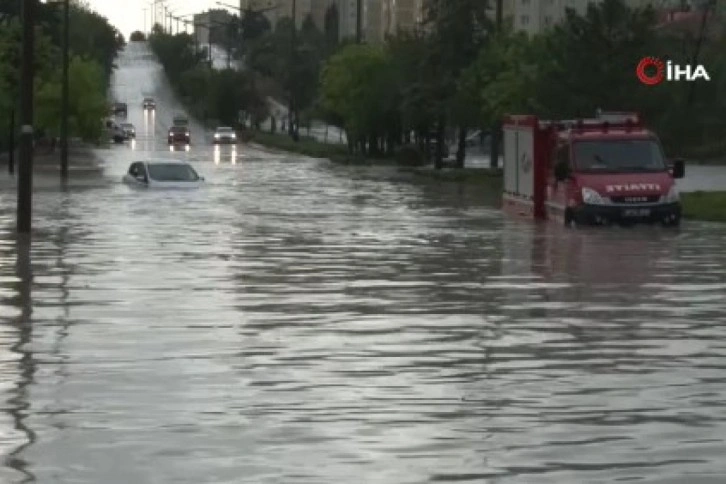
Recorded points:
569,219
673,223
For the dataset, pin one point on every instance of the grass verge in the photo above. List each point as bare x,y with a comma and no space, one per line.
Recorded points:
309,146
706,206
306,146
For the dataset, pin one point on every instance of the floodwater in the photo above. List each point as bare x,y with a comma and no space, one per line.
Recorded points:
294,322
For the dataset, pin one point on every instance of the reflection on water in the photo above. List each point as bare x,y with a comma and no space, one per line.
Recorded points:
320,323
226,154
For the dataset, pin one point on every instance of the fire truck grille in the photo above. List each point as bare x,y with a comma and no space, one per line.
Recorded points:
649,199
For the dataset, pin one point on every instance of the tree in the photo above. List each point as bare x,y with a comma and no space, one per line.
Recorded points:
137,36
458,31
86,99
355,81
254,25
591,60
503,79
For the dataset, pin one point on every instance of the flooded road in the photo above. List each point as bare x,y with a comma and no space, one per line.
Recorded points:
294,322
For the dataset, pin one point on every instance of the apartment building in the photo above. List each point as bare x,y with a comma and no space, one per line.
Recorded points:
212,24
386,17
534,16
275,10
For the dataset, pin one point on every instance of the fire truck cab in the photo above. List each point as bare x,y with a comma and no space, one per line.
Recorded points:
604,170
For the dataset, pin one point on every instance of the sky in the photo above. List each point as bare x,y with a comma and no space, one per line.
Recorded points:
128,15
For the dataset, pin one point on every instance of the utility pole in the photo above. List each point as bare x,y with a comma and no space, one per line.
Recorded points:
64,94
496,131
699,42
291,108
359,22
25,182
11,143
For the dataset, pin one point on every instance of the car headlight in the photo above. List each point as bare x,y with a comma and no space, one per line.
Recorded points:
672,196
234,136
216,135
591,197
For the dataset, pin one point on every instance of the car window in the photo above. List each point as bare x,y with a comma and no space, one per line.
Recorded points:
172,172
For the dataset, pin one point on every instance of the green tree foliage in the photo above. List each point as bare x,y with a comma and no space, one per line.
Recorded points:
177,53
94,44
354,85
86,99
208,94
457,71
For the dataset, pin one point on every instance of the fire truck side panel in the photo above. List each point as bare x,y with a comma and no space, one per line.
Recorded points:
519,189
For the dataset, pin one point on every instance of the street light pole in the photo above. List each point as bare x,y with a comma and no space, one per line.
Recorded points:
291,108
25,182
64,100
359,22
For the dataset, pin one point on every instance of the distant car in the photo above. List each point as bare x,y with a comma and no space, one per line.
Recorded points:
120,109
225,134
129,130
162,174
115,132
179,135
181,120
149,103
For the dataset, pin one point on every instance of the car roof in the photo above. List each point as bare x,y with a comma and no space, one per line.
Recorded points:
163,162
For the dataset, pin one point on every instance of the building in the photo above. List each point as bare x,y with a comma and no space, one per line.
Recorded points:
211,23
534,16
387,17
318,9
275,10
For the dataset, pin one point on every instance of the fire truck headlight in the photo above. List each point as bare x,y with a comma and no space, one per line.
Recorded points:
591,197
672,196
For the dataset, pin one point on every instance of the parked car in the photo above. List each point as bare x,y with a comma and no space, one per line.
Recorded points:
120,109
225,134
149,103
179,135
115,132
162,174
129,130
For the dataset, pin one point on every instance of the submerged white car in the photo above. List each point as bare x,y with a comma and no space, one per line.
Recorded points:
162,174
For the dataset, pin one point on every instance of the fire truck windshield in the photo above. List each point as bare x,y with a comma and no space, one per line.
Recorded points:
618,155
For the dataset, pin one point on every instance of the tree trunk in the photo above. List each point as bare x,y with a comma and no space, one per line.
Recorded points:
440,140
461,151
373,145
11,143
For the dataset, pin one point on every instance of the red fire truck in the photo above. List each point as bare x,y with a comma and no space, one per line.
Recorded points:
608,169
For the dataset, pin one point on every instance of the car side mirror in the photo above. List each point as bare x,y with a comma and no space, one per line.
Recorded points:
562,171
141,178
678,168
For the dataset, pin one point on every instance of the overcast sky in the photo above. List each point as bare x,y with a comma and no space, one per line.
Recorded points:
128,15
